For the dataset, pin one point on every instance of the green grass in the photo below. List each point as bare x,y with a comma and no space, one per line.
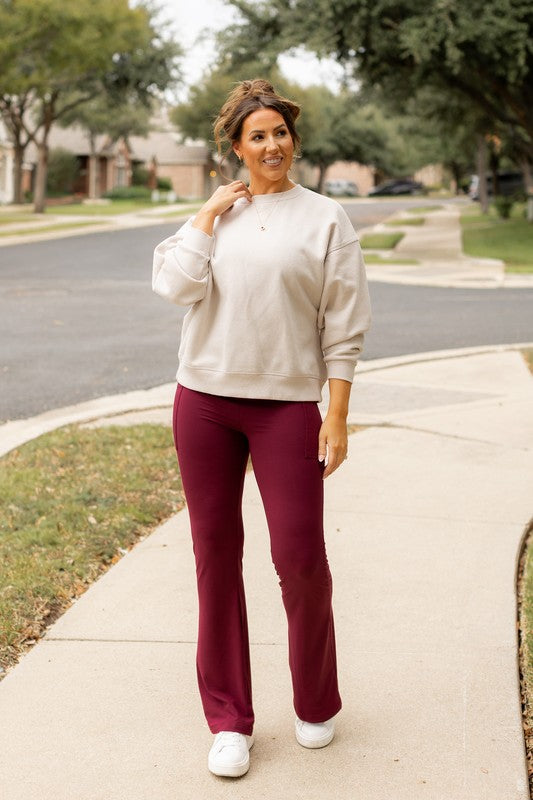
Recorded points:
374,258
380,241
107,209
395,223
7,217
488,236
73,502
45,228
423,209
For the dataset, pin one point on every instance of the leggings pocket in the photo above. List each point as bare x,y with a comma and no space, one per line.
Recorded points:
177,398
313,422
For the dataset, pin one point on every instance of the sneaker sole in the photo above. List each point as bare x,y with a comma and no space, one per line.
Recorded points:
233,771
314,744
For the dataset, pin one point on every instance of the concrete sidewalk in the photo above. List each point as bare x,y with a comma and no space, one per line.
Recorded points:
423,526
89,223
437,248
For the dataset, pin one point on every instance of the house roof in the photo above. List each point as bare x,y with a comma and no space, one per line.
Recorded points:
167,149
164,145
74,139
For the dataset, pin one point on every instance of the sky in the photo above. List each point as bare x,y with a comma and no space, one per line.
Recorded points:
187,19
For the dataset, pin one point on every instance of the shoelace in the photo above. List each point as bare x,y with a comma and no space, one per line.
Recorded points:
228,739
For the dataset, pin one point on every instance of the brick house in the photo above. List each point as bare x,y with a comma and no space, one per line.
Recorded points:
189,167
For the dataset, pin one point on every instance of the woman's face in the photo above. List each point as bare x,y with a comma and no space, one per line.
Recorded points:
265,145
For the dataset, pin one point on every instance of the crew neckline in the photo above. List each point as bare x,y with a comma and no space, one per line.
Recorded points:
288,194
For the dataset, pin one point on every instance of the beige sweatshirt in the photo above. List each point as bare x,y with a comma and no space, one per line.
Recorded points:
274,312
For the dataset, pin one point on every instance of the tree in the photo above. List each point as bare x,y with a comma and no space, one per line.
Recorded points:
57,56
338,128
333,127
481,49
101,115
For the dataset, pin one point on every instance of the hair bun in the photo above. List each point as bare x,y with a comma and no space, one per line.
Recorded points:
255,87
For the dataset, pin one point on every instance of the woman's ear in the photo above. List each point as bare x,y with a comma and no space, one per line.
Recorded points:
236,153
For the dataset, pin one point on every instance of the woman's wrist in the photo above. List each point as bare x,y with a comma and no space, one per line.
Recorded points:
337,414
339,399
204,220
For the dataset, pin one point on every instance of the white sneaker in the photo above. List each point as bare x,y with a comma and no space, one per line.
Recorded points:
314,734
229,755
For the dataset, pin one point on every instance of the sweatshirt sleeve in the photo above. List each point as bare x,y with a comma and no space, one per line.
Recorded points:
180,270
344,314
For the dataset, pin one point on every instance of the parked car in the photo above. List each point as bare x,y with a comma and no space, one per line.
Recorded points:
398,186
509,183
341,188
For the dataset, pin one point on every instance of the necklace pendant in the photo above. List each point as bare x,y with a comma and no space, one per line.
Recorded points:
263,228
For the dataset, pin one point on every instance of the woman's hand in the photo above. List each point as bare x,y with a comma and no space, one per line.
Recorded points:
334,434
222,198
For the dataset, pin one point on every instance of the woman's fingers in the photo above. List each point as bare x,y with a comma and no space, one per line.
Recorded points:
333,440
336,455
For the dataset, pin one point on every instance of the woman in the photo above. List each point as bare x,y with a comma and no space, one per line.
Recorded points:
276,281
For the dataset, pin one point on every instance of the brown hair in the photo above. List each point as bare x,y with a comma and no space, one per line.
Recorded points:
246,97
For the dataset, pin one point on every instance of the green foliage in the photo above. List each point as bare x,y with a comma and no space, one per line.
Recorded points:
128,193
503,205
103,115
333,127
61,55
139,176
63,169
164,184
480,49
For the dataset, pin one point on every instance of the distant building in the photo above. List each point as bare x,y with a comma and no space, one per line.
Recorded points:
107,164
187,166
101,167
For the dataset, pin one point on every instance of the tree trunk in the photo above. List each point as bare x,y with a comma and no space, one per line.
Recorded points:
93,165
528,184
17,172
48,116
481,163
494,165
39,197
525,165
455,169
321,177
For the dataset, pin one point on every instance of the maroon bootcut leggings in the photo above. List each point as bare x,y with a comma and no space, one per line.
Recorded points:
213,437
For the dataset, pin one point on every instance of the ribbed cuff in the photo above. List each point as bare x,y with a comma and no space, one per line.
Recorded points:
340,369
198,240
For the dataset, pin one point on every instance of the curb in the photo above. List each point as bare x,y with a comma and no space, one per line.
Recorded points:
99,227
17,432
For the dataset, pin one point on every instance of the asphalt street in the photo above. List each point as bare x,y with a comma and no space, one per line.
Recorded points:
78,318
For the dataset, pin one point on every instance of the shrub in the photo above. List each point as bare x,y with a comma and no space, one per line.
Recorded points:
164,184
139,176
63,171
128,193
503,205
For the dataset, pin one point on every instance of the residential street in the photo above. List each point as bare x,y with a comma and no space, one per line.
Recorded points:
78,319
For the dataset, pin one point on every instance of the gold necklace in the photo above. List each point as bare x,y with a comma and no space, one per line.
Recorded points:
262,222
